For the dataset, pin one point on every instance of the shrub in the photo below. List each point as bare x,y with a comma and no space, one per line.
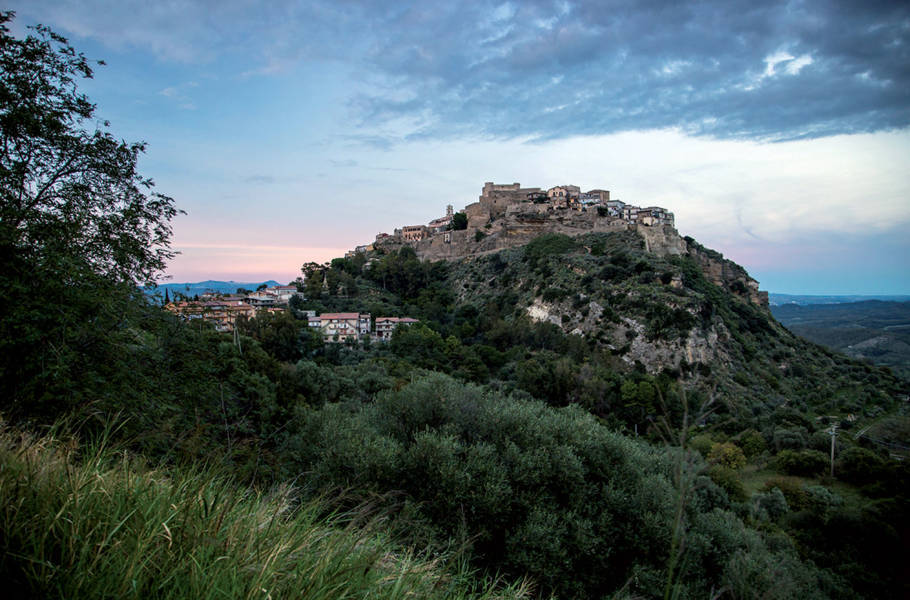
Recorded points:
552,294
792,439
702,443
805,462
727,455
103,525
752,442
538,490
728,480
858,465
549,244
770,505
792,489
821,500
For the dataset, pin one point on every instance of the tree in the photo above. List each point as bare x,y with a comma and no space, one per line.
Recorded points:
80,228
728,455
66,189
459,221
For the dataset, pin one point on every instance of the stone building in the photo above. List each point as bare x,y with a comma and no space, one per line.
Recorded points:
442,223
603,196
564,192
655,215
494,200
413,233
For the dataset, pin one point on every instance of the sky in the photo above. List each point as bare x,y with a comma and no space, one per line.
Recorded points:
291,131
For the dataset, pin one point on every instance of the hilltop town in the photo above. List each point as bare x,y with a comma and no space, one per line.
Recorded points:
508,215
504,216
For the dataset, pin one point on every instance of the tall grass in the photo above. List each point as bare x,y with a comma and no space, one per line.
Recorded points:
96,523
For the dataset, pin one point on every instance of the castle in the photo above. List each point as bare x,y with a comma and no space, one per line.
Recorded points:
508,215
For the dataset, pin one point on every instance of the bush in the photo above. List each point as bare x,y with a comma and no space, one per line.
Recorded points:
806,463
858,465
549,244
752,442
702,443
728,480
103,525
552,294
770,505
541,491
727,455
790,439
821,500
792,489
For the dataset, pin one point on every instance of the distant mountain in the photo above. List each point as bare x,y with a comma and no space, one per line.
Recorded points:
210,286
805,300
873,330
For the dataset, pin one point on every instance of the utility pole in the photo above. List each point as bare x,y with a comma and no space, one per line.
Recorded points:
833,432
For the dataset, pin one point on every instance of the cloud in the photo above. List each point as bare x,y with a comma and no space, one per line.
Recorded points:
343,163
775,70
259,179
768,71
176,94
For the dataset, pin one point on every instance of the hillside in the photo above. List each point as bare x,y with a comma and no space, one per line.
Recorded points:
596,413
569,319
870,330
665,315
613,415
207,287
652,339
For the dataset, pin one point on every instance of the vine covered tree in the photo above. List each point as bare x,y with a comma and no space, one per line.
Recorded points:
80,227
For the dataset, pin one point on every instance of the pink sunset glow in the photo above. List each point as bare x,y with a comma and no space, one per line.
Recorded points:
198,262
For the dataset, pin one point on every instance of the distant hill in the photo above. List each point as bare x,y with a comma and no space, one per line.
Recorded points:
202,287
872,329
805,300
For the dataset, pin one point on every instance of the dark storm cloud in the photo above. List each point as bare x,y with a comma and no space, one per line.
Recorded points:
730,69
727,68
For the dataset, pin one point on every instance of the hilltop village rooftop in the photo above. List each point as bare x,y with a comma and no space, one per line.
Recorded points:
511,203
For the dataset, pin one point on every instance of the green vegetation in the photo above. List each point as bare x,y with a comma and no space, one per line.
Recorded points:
459,221
95,523
602,420
550,493
871,330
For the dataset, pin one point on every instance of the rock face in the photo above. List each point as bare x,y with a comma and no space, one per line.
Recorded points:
725,273
705,345
701,346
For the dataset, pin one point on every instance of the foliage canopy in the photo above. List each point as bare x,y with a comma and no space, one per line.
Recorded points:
79,226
